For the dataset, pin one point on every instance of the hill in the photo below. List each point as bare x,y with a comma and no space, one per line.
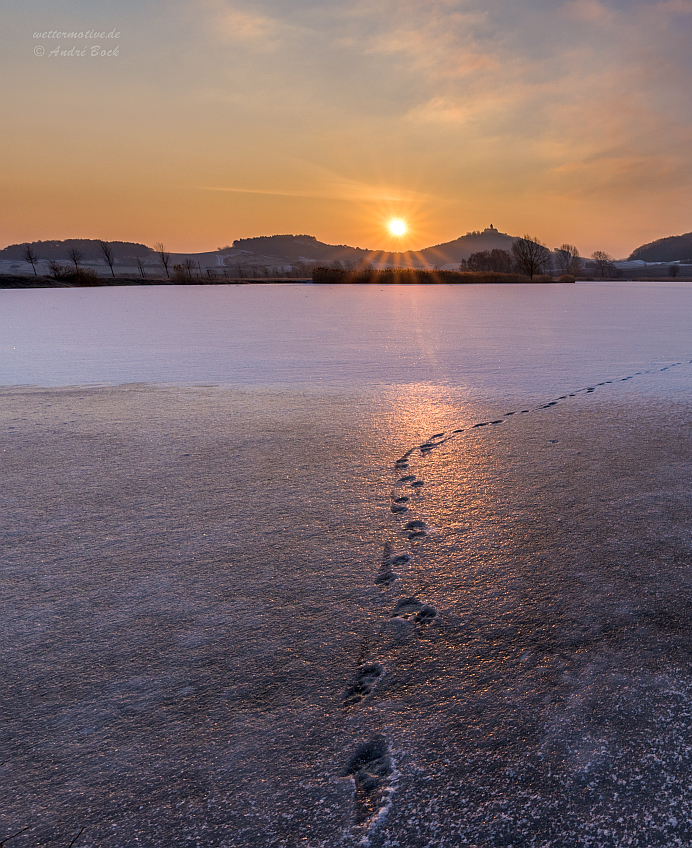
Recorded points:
669,249
90,248
294,249
303,248
452,252
260,255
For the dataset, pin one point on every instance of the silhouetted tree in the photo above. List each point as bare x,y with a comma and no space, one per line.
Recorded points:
604,262
568,259
75,255
479,261
189,266
163,256
495,260
530,255
673,270
107,253
58,271
30,255
141,268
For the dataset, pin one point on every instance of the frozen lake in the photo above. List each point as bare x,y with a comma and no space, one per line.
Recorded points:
310,566
492,341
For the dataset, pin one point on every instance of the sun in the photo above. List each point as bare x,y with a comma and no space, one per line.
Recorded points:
397,227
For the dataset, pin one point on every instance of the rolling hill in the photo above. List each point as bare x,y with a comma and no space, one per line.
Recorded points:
669,249
267,252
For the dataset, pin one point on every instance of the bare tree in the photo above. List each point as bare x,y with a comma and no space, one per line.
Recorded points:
568,259
189,267
58,271
530,255
141,268
603,260
30,255
163,256
75,255
107,253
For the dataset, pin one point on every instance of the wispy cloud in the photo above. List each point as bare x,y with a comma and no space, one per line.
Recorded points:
349,190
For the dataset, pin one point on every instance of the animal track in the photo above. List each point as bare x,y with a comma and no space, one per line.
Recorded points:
386,576
426,614
408,608
398,503
416,529
366,678
401,559
370,766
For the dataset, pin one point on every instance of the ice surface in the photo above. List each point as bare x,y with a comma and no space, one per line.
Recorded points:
347,614
492,342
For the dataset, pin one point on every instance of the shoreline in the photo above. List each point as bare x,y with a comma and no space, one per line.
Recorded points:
9,282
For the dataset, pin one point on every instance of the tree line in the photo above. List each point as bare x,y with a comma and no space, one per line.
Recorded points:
59,271
184,272
530,256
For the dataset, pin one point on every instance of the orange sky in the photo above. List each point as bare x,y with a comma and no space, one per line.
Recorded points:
219,120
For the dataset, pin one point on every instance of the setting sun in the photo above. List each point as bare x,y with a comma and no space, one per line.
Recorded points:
397,227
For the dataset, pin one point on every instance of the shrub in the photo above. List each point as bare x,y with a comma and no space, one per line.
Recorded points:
84,277
73,276
566,278
412,276
58,271
183,273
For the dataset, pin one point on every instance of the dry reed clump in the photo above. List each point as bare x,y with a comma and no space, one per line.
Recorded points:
73,276
566,278
181,275
413,276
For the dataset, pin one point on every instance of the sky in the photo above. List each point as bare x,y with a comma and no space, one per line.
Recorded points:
212,120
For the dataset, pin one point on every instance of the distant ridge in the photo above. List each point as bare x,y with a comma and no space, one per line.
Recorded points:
283,249
262,255
89,247
293,249
669,249
301,248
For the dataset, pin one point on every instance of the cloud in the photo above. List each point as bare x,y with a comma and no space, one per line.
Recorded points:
333,187
234,23
244,26
591,11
